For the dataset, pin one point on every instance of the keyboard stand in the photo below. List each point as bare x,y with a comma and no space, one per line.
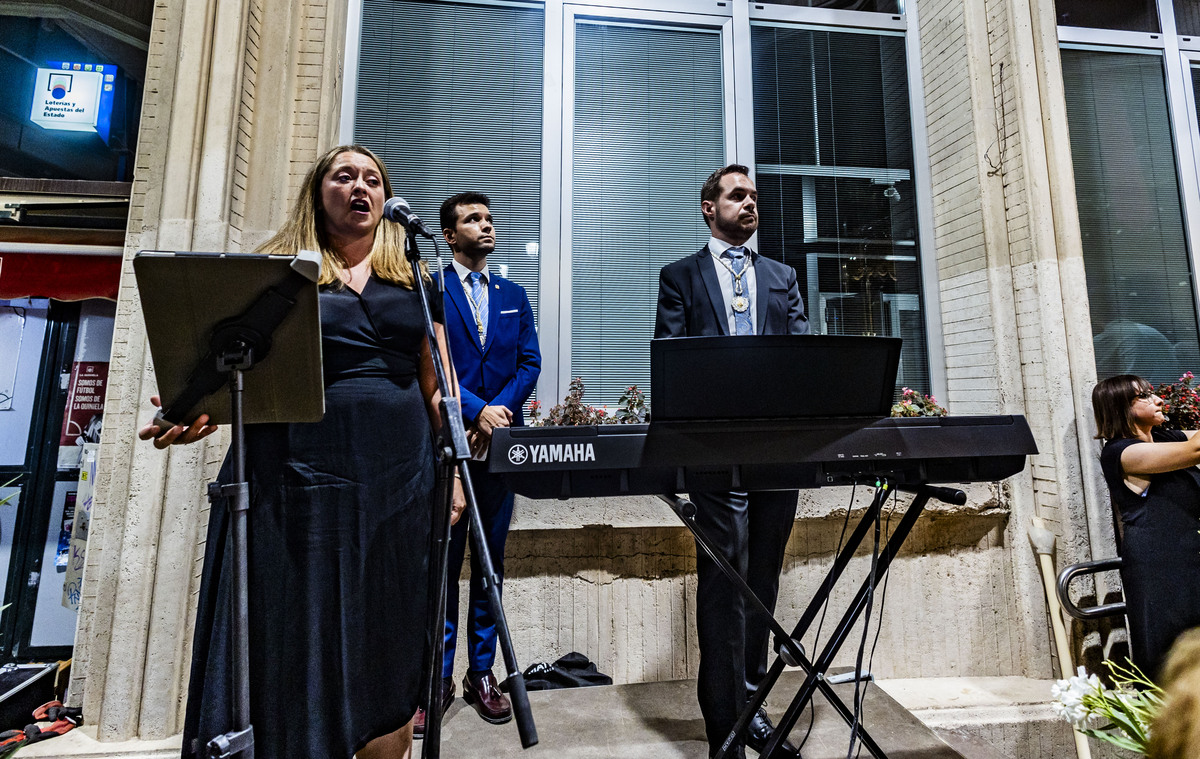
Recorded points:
788,645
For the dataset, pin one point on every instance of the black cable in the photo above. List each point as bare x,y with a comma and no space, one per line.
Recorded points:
887,535
859,691
812,713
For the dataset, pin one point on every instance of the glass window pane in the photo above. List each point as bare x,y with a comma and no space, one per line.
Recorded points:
54,621
1139,279
10,501
450,97
22,334
877,6
833,145
1123,15
1187,16
648,130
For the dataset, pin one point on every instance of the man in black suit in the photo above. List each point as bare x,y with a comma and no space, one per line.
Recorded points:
728,289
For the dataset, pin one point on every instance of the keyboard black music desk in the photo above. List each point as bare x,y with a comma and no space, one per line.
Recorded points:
668,458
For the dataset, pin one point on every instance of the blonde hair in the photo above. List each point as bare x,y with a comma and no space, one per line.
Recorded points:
305,229
1175,732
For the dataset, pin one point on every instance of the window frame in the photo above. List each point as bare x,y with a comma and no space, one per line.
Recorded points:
733,20
1178,53
558,270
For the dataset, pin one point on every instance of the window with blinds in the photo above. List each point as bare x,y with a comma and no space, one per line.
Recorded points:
837,201
647,132
1187,17
450,97
1139,281
1122,15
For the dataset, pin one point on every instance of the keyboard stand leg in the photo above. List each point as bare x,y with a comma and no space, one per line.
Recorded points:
815,676
686,510
810,614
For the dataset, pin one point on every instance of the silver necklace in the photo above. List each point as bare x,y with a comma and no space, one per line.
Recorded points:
740,304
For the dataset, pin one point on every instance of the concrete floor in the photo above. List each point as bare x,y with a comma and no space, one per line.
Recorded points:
662,721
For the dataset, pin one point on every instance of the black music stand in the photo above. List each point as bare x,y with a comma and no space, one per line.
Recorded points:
203,344
453,453
791,376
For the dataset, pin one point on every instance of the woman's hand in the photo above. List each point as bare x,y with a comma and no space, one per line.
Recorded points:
458,501
177,435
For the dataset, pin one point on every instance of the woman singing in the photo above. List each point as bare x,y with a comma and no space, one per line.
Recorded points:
340,509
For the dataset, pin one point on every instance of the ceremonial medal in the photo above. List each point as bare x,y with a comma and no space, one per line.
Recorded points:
740,305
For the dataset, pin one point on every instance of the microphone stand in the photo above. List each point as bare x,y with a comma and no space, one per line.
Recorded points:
453,452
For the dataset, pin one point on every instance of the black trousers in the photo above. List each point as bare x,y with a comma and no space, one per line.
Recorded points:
751,531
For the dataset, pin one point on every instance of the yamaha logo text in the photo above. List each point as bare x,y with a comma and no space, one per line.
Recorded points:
547,453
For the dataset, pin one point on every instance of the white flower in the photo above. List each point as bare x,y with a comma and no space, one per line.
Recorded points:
1068,697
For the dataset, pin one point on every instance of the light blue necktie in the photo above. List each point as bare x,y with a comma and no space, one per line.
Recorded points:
480,304
741,319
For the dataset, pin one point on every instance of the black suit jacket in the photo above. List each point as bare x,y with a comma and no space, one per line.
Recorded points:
690,302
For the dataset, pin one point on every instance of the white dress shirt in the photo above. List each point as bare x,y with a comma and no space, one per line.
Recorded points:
725,278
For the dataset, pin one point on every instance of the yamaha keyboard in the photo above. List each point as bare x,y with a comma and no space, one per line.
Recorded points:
766,454
669,457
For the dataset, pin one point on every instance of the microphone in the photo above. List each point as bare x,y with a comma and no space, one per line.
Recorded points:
397,209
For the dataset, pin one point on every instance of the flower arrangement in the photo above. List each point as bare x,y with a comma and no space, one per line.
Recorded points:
573,411
1127,709
1181,403
913,403
631,407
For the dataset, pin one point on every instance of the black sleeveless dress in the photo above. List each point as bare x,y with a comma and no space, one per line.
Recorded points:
1160,551
339,539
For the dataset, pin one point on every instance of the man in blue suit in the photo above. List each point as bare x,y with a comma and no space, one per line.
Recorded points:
728,289
489,326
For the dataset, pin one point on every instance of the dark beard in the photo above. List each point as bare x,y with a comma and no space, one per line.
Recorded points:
734,230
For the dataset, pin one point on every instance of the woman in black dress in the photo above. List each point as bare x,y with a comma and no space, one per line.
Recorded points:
1156,487
340,509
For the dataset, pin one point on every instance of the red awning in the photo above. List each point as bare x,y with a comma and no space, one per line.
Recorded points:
61,276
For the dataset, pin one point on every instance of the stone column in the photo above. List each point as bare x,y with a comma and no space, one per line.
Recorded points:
233,113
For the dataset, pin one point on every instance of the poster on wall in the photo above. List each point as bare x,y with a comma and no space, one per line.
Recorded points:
80,524
62,555
84,411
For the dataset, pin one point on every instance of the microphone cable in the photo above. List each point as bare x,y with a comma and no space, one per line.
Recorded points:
812,714
887,534
859,691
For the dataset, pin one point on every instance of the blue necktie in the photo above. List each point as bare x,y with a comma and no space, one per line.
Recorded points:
480,304
741,319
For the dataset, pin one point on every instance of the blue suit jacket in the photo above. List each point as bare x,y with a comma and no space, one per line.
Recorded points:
690,302
505,370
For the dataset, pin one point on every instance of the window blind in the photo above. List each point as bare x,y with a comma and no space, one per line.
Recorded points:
450,97
1139,281
1124,15
648,130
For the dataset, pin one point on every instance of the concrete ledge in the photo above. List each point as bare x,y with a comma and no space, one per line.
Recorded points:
649,511
991,717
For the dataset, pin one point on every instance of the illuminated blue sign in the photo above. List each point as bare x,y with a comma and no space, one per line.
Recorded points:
74,97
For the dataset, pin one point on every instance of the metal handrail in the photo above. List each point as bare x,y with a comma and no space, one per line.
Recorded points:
1072,571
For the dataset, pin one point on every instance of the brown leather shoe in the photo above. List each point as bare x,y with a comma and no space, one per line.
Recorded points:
483,693
447,699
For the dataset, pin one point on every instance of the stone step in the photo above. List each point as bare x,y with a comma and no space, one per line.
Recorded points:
930,718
